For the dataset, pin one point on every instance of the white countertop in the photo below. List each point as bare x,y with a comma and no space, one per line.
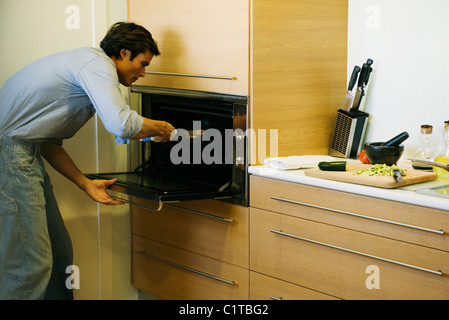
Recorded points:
405,194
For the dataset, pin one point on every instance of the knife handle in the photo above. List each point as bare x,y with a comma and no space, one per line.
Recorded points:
397,175
365,73
430,163
363,80
368,73
353,80
362,75
369,62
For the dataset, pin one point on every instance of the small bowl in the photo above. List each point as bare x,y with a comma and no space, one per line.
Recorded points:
383,155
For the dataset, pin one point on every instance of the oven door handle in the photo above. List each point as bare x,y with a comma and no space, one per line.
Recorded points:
190,75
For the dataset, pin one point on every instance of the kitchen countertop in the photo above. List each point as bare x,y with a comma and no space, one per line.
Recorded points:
405,194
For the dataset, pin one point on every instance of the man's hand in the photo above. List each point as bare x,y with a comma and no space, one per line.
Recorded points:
96,189
161,130
166,130
61,161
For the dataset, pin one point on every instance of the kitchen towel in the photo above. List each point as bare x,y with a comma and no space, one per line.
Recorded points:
296,162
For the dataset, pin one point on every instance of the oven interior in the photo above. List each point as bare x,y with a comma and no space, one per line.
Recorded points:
184,113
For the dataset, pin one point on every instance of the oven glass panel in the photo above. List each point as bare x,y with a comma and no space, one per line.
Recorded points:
202,156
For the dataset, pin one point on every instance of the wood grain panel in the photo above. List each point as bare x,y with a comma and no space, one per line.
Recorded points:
169,281
299,72
197,37
340,273
261,197
263,287
199,229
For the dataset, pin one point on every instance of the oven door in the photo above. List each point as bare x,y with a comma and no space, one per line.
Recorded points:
209,160
159,189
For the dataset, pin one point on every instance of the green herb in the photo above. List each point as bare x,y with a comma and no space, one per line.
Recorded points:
380,170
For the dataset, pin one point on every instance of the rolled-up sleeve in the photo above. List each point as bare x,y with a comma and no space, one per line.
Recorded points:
100,82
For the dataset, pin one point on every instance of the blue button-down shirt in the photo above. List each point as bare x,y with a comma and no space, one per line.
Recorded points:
53,97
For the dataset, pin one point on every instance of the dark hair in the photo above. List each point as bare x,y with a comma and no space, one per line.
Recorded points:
130,36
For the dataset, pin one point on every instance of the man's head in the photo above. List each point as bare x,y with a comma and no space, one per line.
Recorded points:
131,47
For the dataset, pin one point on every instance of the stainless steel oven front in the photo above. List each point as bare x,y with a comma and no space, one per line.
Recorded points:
207,159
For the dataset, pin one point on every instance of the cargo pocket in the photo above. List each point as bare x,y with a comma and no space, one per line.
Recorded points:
7,203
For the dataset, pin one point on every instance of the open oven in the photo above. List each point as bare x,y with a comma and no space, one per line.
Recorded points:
207,159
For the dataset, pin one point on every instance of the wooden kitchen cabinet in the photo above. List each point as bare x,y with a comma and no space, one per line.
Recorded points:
396,220
288,56
301,235
212,228
298,73
173,273
204,44
194,250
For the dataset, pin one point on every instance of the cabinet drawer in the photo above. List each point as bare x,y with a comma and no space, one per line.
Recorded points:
215,229
204,49
172,273
415,224
337,260
263,287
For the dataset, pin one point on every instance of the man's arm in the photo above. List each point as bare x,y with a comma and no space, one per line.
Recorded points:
59,159
155,128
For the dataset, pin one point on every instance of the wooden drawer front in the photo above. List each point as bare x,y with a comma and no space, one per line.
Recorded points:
205,48
263,287
362,213
212,228
172,273
341,273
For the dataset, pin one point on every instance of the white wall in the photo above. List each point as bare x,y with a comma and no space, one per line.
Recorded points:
30,29
409,43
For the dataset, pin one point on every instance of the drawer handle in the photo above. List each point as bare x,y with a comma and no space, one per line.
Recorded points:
202,214
441,232
275,298
357,252
143,253
190,75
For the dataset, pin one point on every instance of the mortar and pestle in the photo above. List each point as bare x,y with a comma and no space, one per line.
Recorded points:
386,152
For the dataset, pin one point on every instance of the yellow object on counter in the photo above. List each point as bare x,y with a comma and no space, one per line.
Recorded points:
442,173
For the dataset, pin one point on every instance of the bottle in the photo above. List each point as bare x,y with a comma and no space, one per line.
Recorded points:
425,151
443,156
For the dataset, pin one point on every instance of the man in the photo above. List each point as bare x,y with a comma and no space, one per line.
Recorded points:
42,104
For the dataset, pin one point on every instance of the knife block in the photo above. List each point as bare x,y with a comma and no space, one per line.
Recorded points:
348,133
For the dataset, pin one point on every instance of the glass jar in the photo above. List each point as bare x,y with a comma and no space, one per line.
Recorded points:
443,156
425,151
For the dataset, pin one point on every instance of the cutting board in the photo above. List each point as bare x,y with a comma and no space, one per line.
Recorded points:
411,176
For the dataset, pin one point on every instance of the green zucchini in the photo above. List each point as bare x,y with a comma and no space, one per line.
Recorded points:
332,166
